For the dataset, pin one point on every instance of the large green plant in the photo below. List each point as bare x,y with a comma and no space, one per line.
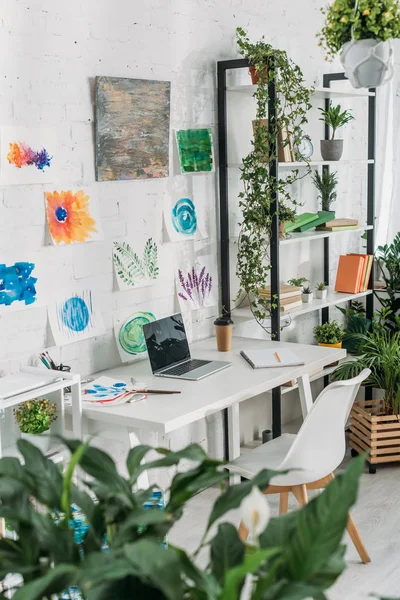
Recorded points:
335,117
378,20
297,556
388,262
292,102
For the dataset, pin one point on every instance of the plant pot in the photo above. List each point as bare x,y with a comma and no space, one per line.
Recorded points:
40,440
306,298
321,294
367,63
373,430
223,331
255,76
338,345
331,150
282,230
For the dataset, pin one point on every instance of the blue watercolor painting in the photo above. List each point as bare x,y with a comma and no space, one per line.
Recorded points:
17,284
74,318
184,218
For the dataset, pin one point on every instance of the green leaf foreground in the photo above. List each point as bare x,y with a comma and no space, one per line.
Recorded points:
300,554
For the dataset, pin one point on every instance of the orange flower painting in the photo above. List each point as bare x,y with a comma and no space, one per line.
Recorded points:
69,217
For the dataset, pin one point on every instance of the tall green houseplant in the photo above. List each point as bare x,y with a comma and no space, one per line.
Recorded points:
292,104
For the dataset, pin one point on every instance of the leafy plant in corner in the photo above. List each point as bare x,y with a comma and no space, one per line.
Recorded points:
292,104
329,333
335,118
297,282
326,186
388,262
299,555
355,323
35,416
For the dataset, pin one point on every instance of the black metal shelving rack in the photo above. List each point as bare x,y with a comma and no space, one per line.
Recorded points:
222,68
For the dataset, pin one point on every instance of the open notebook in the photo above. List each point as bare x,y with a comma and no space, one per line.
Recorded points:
277,357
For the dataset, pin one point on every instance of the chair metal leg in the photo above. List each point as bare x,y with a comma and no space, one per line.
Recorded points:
283,503
357,541
300,493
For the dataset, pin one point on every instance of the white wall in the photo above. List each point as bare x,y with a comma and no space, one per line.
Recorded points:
50,52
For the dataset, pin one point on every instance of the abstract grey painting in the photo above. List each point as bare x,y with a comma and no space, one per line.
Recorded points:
132,128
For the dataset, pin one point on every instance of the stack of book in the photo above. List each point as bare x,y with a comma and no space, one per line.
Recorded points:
289,296
353,273
339,225
307,221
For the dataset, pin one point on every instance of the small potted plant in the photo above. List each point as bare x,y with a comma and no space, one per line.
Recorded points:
321,291
329,334
326,186
35,417
307,294
223,330
286,215
335,118
297,281
361,31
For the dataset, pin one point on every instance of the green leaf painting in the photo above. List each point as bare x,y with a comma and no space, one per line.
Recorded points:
195,150
133,270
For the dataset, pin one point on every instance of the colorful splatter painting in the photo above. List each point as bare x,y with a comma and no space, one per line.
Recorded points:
133,270
27,155
74,317
72,217
129,335
17,285
132,128
196,286
195,148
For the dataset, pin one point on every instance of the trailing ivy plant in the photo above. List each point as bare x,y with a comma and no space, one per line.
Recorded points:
292,104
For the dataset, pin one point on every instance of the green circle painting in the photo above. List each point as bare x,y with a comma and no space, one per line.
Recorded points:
131,336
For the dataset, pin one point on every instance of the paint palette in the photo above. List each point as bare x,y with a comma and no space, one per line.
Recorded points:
104,389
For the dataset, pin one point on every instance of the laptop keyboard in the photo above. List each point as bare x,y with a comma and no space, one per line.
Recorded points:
191,365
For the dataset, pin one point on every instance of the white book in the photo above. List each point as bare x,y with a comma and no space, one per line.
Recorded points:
277,357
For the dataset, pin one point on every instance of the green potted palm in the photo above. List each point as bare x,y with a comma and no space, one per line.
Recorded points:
326,186
362,32
335,118
34,417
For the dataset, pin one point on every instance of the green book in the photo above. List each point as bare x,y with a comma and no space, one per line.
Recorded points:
301,220
323,216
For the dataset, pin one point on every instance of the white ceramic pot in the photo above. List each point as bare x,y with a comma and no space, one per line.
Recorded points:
40,440
307,297
321,294
367,63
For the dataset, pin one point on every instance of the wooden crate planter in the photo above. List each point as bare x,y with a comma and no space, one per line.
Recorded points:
373,431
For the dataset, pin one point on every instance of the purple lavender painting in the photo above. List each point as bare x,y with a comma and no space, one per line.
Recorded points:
195,288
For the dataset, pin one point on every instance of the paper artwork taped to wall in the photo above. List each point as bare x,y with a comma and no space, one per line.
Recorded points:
196,287
28,156
182,219
129,335
132,128
17,284
134,268
72,217
75,317
195,149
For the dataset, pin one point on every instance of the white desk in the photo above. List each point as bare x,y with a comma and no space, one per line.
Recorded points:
225,389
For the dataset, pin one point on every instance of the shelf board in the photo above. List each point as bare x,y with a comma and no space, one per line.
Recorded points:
245,314
307,236
313,163
319,92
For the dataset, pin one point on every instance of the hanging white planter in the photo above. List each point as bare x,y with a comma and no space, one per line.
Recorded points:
367,63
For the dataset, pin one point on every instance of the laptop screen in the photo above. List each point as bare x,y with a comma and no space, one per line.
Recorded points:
166,342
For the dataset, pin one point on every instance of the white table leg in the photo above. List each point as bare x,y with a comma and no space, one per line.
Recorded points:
306,399
234,437
76,400
143,479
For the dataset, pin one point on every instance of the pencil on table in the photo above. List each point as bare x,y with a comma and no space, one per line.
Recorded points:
278,358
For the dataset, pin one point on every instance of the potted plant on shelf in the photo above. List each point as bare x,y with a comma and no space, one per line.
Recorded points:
329,334
35,417
297,281
326,186
307,294
286,215
355,323
260,188
381,354
321,291
361,31
335,118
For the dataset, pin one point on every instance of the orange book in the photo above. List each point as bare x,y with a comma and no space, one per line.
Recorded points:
349,274
364,269
368,260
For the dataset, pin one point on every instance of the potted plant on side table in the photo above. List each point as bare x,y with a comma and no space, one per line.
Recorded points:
335,118
326,186
35,417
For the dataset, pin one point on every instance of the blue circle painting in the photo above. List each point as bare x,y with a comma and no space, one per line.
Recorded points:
184,217
75,314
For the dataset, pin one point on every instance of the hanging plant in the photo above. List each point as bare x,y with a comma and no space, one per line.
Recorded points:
361,31
292,104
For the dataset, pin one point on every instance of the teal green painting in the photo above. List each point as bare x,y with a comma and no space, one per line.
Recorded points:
195,149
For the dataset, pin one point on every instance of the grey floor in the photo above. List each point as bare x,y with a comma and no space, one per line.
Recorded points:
377,516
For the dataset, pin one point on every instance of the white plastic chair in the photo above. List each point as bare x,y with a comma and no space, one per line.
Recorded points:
311,456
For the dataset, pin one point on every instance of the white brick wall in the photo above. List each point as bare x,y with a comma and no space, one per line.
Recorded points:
50,53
